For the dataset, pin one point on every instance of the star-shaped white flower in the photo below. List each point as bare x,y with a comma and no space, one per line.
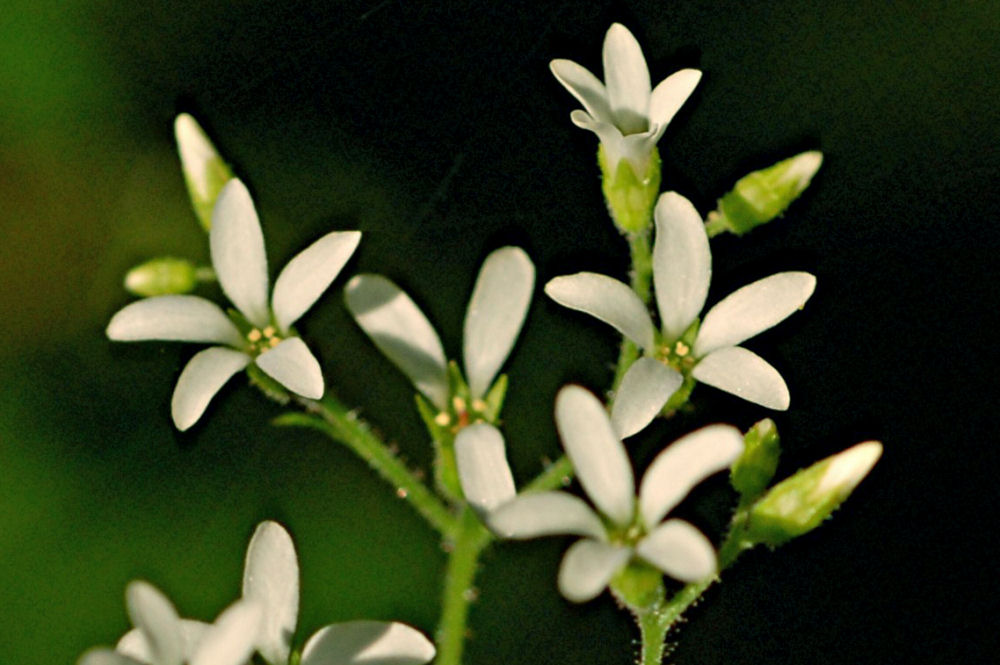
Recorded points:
626,114
271,580
493,320
682,271
624,527
160,637
262,331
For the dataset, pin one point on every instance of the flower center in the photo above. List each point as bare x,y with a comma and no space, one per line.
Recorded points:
461,413
677,355
262,339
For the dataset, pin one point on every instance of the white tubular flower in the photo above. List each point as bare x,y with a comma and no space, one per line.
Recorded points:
261,332
271,580
623,527
493,320
628,116
682,271
160,637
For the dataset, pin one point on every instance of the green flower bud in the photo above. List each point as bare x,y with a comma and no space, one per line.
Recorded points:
755,468
761,196
205,172
630,197
800,503
161,277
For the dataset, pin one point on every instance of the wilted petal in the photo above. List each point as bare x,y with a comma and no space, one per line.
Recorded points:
545,514
744,374
135,645
153,614
679,550
230,640
644,390
237,246
173,318
753,309
401,331
271,578
684,464
586,87
607,299
367,643
293,365
669,96
202,378
308,275
627,79
596,452
495,314
587,567
482,467
682,263
105,656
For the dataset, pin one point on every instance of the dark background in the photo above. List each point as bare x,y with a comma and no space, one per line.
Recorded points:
437,130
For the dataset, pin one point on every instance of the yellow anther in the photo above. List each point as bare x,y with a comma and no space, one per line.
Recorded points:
273,342
478,405
442,419
254,335
681,349
269,332
458,404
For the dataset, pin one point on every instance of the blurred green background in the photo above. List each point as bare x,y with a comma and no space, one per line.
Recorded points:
437,130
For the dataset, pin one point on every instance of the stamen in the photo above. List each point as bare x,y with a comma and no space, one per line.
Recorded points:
681,348
442,419
458,404
273,342
254,335
478,405
269,332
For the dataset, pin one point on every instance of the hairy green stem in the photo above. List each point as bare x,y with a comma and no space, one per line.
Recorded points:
459,590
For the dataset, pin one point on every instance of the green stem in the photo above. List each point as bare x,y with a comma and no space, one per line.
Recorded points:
715,224
459,590
653,629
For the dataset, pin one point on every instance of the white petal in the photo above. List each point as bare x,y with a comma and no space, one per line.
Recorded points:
367,643
586,87
174,318
238,257
679,550
105,656
230,640
683,464
607,299
596,452
669,96
202,378
196,153
308,275
753,309
482,467
644,390
495,314
627,79
135,645
545,514
401,331
293,365
744,374
271,577
682,263
587,567
153,614
610,136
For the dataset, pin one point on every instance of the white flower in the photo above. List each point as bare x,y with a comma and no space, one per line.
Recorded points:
493,320
624,527
682,271
627,115
262,332
271,580
160,637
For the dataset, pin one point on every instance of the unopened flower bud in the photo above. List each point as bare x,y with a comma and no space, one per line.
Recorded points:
630,196
755,468
205,172
161,277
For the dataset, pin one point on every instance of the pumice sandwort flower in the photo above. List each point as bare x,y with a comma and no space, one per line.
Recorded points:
261,330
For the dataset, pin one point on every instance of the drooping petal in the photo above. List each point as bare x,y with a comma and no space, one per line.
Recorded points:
153,614
588,566
202,378
607,299
237,246
610,136
669,96
627,80
482,467
173,318
596,452
586,87
679,550
683,464
545,514
230,640
105,656
293,365
744,374
271,578
401,331
753,309
367,643
309,274
135,645
644,390
495,314
682,263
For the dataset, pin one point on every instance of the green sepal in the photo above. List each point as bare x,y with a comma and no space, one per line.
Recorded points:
456,382
680,397
428,412
443,440
494,399
271,388
162,276
638,586
630,197
755,468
